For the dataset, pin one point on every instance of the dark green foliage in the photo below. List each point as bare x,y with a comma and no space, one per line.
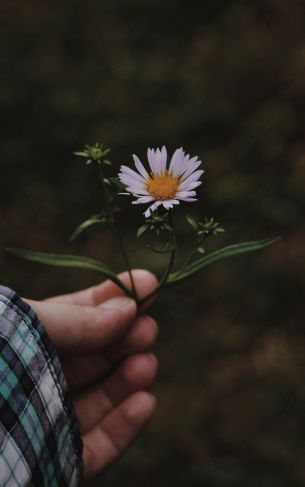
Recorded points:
73,261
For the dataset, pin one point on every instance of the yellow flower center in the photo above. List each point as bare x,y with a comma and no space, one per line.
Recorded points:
162,187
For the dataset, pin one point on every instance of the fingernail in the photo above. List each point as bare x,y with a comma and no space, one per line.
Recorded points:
120,302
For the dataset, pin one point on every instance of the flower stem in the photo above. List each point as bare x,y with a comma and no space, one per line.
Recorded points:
193,253
188,260
116,231
167,271
127,261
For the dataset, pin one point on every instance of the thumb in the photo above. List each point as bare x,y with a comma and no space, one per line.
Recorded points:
84,328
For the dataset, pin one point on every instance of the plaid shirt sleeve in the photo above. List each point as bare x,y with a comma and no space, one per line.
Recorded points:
39,440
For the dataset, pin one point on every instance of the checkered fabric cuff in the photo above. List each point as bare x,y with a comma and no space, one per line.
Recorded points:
40,443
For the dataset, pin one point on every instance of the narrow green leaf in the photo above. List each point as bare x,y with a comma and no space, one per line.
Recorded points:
218,255
74,261
100,218
167,227
142,230
192,222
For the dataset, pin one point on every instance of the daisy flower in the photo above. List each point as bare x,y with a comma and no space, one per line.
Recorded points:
164,184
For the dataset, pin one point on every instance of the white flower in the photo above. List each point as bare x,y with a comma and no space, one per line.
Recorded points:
162,185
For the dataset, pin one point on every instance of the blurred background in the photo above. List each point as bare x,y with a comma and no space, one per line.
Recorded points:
225,80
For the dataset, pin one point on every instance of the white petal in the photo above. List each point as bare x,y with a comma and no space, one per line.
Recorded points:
183,165
160,159
183,194
187,164
192,166
131,172
132,183
175,161
140,167
163,159
187,186
135,190
151,158
168,204
187,199
192,177
129,180
142,200
152,208
134,187
157,162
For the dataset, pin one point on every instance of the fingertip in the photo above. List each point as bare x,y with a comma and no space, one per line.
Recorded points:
140,370
145,281
142,335
140,407
146,277
111,437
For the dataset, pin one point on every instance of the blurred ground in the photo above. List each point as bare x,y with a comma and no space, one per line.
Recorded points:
225,80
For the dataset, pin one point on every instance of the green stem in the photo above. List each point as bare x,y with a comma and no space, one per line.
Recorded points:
127,261
116,230
193,253
167,271
105,191
188,260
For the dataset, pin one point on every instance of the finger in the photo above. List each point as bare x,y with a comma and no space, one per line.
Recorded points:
141,336
109,439
136,373
84,328
82,371
145,283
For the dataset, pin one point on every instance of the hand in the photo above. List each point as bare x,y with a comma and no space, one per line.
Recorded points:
102,343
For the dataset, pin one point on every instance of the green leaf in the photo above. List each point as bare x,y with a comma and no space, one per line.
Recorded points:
192,222
142,230
116,182
167,227
100,218
218,255
74,261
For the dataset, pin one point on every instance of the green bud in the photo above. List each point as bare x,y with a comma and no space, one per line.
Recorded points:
95,153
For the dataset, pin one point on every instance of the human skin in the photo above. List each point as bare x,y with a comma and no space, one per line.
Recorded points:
102,341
